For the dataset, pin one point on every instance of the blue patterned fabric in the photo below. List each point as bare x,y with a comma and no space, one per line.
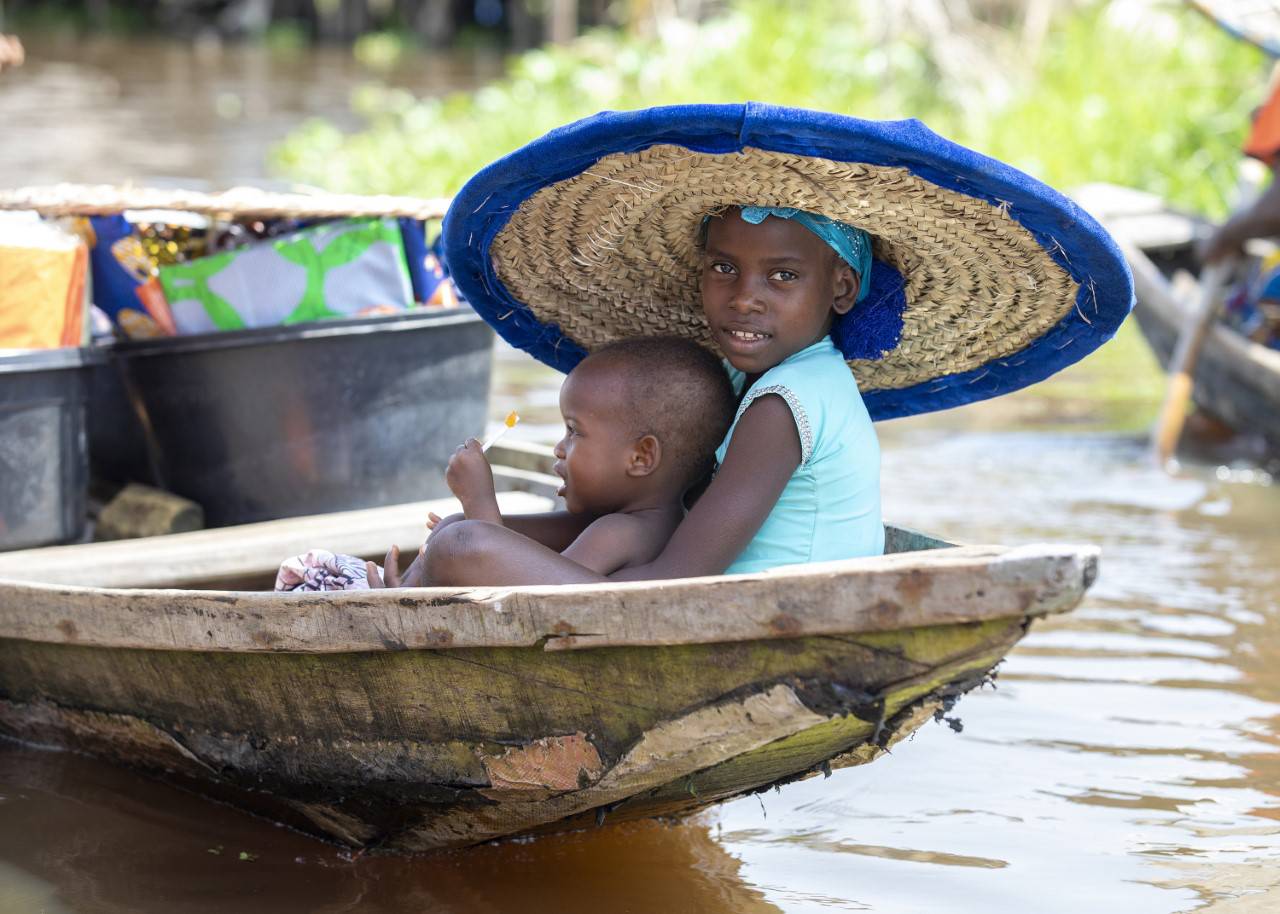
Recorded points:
852,244
1068,235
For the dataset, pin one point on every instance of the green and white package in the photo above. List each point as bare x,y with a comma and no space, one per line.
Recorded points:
338,269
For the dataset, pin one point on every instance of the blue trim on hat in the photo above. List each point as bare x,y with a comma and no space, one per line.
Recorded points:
1067,233
871,329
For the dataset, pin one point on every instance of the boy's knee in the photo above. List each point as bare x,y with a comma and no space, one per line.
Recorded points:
450,548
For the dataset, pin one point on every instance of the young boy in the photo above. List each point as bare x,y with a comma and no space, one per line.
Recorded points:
643,417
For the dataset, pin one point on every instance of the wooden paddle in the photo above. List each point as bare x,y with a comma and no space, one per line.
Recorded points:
1182,366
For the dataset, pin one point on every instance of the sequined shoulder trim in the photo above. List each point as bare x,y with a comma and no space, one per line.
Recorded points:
797,413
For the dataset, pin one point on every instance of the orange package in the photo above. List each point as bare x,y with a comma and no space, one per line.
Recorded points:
43,271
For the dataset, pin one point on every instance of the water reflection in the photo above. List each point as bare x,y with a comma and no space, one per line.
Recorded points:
135,109
79,836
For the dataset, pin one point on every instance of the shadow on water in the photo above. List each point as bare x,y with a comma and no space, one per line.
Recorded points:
81,836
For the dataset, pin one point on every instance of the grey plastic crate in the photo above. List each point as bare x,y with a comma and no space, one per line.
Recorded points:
303,419
43,457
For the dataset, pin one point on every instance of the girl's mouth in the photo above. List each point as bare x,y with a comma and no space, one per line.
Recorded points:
748,336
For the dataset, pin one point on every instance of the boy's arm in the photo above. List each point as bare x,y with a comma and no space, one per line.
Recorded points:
610,543
554,529
470,480
762,455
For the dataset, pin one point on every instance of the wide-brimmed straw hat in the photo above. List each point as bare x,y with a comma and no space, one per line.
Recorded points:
984,279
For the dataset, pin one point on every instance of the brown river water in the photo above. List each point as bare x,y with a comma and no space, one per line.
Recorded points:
1127,761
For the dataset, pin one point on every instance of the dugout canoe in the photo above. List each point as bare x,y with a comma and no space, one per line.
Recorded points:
415,720
1236,379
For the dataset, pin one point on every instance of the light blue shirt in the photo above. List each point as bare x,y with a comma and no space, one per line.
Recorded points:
830,508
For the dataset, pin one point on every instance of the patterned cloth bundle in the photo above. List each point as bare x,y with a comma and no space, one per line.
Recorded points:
320,569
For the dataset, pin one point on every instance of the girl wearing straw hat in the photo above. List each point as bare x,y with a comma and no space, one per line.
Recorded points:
811,250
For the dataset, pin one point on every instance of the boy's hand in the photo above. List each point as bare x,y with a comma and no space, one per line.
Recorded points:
470,480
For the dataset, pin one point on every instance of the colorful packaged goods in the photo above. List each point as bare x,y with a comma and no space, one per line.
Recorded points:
166,273
43,271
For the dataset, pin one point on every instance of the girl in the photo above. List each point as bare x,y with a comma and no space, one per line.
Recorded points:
827,244
800,468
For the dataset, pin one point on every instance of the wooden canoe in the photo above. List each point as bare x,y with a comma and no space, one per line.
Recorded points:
1236,380
414,720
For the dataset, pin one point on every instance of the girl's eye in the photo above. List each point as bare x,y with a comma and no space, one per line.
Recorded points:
783,276
720,266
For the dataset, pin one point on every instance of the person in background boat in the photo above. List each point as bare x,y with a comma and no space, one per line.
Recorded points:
642,420
11,52
1253,307
799,470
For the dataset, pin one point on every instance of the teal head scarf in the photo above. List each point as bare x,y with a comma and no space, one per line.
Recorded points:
852,244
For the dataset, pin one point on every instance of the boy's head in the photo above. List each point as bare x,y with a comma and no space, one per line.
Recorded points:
642,416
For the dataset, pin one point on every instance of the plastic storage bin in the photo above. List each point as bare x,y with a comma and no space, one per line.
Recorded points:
302,419
43,458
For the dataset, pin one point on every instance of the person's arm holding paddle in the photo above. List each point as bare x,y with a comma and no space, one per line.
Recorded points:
1261,220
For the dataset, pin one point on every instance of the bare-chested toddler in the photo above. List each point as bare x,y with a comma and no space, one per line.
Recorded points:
642,418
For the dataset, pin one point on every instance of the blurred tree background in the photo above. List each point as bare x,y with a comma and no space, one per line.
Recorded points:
1138,92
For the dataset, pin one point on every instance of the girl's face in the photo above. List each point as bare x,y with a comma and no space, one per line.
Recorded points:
770,290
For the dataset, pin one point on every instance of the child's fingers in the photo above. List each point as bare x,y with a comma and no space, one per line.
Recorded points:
375,580
391,567
432,519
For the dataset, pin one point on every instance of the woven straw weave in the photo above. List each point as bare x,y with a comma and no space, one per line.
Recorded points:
612,253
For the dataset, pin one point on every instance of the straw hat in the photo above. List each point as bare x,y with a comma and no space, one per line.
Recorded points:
984,279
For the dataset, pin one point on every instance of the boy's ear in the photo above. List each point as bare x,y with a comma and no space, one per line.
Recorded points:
645,456
846,288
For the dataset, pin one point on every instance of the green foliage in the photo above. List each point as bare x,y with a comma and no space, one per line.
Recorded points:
1162,107
1122,105
381,50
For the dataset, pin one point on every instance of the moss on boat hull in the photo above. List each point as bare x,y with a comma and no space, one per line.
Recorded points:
410,751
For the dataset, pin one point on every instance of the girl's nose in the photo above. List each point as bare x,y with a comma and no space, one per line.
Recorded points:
745,300
558,450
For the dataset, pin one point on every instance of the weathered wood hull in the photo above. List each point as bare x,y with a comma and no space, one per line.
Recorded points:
418,750
414,720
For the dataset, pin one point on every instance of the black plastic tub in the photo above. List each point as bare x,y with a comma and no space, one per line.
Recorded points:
43,459
302,419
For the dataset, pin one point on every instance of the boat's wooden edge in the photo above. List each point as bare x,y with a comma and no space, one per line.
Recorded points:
240,202
885,593
185,559
218,557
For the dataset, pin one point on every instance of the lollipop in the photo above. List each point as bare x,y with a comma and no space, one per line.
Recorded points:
507,424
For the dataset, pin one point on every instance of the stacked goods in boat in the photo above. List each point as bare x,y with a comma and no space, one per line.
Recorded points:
270,355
